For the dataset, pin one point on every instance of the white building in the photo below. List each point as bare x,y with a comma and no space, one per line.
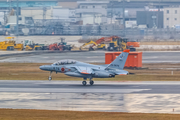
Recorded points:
12,20
171,17
92,12
64,14
37,12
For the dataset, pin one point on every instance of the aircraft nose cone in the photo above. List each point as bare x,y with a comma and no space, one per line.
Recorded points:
45,67
42,67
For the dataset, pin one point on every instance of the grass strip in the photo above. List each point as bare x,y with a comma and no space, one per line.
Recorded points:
23,114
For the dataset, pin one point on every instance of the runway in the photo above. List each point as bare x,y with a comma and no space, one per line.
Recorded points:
109,96
91,57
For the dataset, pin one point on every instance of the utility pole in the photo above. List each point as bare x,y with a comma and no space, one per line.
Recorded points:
158,17
124,31
17,21
111,12
4,17
4,20
44,14
9,5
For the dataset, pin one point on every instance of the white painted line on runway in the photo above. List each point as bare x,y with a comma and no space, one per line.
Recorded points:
115,82
67,90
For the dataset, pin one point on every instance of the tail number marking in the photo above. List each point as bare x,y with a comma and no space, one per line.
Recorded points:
114,65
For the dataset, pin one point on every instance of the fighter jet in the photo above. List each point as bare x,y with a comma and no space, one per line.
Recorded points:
89,71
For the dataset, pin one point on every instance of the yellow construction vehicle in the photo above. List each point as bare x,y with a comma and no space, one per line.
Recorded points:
30,45
11,40
117,44
6,45
122,42
91,42
101,46
10,44
18,46
91,48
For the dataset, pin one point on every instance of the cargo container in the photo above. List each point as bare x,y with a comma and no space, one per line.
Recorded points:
134,59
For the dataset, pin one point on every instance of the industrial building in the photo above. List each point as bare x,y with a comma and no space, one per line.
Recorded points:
77,16
37,12
171,16
152,19
92,12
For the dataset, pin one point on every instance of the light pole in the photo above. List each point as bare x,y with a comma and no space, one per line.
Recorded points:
17,21
158,16
124,28
111,12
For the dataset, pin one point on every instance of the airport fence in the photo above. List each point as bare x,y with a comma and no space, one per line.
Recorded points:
57,28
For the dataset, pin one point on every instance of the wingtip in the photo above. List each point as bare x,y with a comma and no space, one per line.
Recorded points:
127,51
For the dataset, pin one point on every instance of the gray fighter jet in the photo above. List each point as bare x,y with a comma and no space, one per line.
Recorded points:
88,71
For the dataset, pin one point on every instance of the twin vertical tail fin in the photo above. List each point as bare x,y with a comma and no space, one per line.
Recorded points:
120,61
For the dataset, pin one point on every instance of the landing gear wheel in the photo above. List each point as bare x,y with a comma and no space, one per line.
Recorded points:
91,82
84,83
50,78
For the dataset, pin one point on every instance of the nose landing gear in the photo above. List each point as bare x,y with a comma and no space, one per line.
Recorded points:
50,78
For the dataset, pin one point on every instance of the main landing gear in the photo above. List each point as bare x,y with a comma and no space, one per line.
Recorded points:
84,83
50,78
91,82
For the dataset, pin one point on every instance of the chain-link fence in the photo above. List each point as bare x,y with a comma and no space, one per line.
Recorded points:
57,27
107,30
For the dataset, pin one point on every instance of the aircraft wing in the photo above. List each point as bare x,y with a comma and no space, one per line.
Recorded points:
103,65
84,70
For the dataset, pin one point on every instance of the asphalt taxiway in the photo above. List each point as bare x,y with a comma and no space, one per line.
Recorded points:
90,57
145,97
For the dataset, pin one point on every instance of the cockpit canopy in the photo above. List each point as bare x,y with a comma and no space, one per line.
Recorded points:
65,62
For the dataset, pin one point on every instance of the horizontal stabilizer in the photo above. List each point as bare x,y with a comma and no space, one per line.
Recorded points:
121,72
